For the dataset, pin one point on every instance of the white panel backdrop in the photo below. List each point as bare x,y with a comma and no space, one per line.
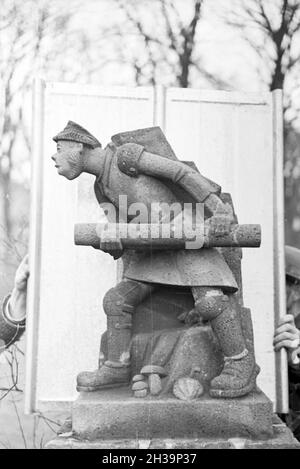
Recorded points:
230,137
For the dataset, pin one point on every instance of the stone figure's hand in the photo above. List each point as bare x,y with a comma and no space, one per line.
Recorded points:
287,336
220,223
191,318
111,244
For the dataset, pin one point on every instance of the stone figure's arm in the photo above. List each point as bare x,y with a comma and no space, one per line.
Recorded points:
109,242
216,207
133,160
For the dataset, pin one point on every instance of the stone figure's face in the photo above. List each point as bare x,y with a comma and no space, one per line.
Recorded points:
68,159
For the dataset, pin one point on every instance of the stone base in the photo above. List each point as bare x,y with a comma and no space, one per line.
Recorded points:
114,419
115,413
282,439
102,420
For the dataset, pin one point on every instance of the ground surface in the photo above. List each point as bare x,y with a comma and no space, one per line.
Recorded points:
16,429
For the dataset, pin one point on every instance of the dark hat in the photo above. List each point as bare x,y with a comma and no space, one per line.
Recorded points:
292,262
76,133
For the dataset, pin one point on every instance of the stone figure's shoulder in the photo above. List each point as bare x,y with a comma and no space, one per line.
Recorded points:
128,156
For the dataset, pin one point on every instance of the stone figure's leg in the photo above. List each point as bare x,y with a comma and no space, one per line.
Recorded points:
238,376
119,304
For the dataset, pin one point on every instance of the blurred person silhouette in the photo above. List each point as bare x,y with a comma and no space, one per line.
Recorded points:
287,335
13,313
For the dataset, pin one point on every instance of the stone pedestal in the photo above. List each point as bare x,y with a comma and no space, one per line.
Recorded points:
115,413
114,419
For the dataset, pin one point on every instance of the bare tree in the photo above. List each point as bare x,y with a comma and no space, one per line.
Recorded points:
272,29
159,39
34,35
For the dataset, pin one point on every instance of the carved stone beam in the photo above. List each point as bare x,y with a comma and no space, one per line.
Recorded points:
164,236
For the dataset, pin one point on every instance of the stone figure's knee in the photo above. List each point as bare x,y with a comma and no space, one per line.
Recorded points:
211,305
114,303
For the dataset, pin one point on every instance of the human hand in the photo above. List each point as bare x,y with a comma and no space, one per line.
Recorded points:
18,296
22,274
287,336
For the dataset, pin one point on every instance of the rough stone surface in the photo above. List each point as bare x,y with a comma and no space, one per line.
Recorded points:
140,393
160,338
114,413
197,349
187,389
180,352
137,378
139,385
282,439
153,369
155,386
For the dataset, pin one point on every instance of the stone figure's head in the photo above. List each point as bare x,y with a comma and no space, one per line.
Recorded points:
73,144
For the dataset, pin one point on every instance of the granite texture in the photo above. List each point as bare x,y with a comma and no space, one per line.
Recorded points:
282,439
114,413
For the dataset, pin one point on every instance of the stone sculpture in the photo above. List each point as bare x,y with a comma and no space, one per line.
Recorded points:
178,353
205,282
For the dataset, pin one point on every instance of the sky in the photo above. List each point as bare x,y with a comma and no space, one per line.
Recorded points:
222,49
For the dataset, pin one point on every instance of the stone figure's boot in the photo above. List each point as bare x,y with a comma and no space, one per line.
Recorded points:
115,371
239,373
110,375
119,304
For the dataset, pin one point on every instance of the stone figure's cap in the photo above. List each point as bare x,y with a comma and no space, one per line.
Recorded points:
76,133
292,262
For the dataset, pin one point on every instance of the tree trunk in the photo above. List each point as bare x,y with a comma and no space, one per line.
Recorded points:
183,78
277,78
